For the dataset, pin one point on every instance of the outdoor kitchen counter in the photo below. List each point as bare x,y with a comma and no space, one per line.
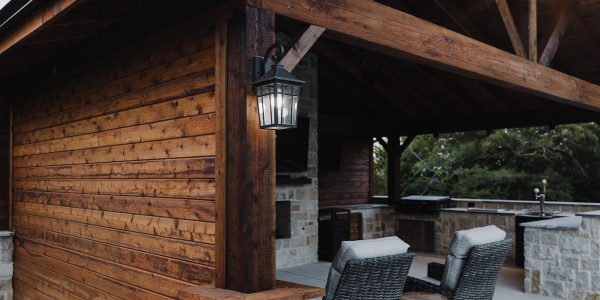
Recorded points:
476,210
565,223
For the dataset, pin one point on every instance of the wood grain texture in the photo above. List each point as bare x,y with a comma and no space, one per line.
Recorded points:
46,14
511,27
250,161
114,177
63,283
301,47
188,209
551,39
389,31
221,154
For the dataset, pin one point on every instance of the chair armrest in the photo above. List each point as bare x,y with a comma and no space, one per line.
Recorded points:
418,285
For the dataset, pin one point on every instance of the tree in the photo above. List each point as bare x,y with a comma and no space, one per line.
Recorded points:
505,164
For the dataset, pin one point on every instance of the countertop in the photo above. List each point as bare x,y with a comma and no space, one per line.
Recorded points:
565,223
476,210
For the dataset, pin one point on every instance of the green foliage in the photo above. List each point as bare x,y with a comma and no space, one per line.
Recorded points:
379,170
506,164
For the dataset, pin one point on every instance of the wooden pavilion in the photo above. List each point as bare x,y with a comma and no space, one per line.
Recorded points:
132,159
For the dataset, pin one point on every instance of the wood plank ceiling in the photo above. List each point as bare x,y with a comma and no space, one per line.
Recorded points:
370,93
364,91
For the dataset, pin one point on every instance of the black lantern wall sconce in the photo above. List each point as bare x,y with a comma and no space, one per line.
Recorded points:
277,91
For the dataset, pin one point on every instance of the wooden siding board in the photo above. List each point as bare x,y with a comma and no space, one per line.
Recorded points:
183,270
114,174
187,209
171,109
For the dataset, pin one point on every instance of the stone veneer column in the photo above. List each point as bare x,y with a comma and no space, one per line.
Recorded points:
302,247
6,265
563,261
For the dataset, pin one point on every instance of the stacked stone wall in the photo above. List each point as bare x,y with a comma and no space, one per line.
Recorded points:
564,263
302,247
6,265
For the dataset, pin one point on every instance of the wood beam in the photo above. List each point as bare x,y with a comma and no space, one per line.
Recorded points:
409,139
382,142
250,161
552,39
32,24
511,27
387,30
301,47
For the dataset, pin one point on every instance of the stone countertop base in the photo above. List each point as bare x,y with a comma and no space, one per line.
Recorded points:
562,257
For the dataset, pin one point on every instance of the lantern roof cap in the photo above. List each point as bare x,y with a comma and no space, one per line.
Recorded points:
278,74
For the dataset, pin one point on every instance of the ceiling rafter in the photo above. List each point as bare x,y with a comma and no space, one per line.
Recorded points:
551,40
511,27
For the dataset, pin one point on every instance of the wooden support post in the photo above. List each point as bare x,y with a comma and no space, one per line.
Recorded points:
394,151
250,161
221,153
393,166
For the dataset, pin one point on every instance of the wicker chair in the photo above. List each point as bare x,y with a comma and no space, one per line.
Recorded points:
379,278
478,278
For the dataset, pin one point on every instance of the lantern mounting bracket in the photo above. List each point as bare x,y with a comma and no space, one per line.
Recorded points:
263,64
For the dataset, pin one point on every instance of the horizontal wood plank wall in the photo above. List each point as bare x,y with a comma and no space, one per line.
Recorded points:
350,183
4,166
114,174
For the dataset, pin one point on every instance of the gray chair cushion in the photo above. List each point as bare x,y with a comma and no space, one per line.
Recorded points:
350,250
460,247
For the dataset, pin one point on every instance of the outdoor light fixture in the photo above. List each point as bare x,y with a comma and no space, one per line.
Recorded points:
277,91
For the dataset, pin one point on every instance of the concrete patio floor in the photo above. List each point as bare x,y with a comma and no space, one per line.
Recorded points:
510,284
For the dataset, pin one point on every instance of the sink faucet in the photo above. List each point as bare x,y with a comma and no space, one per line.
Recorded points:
541,197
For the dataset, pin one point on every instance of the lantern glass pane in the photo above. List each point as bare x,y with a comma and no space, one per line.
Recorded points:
294,110
286,110
261,110
271,107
